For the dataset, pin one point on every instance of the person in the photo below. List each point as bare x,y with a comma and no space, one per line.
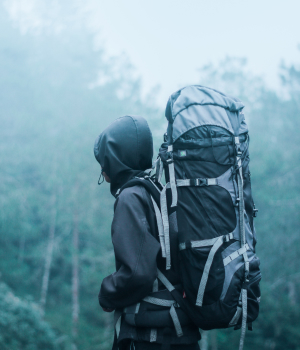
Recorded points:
125,150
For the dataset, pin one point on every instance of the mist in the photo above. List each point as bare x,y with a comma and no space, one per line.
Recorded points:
66,72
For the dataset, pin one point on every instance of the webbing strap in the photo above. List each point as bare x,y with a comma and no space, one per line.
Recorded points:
165,221
243,240
241,211
159,302
176,321
241,204
198,244
161,170
205,242
236,254
236,316
244,320
153,332
172,178
197,182
153,335
241,192
155,286
207,267
165,281
137,308
160,228
117,322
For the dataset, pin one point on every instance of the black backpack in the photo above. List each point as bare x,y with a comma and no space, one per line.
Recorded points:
207,204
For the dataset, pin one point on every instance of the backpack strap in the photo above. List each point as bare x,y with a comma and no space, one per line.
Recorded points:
147,183
242,238
154,191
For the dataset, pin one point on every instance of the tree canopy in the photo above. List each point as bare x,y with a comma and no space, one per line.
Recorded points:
57,93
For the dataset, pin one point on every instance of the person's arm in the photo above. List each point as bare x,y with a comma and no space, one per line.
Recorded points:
135,251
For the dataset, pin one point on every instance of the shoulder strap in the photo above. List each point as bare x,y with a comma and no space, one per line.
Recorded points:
148,184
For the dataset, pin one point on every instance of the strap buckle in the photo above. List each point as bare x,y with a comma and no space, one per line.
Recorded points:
198,182
170,157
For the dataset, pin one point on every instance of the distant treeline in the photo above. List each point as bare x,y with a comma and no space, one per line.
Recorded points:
56,95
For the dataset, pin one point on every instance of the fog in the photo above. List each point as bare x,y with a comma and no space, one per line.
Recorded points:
67,70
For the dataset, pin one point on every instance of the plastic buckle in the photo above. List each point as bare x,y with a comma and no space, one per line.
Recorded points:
237,202
194,182
255,211
170,157
188,244
202,182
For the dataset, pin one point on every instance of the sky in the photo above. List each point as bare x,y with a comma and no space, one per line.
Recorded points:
169,41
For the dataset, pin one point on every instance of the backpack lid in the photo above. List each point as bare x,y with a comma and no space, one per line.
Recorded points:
198,105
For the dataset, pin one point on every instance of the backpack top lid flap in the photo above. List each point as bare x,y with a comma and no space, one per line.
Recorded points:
197,105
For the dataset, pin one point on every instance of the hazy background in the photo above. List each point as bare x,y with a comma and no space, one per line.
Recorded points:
67,69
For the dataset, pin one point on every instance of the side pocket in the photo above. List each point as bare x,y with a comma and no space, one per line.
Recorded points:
253,290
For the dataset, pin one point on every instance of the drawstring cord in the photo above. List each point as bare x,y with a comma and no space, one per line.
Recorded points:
101,178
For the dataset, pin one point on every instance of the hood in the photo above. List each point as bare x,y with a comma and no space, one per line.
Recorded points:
124,150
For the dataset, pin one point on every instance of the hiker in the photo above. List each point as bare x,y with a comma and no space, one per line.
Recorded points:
125,150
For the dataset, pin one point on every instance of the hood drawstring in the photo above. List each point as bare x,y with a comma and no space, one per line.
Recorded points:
101,178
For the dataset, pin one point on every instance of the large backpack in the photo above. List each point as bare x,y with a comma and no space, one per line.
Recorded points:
206,207
207,203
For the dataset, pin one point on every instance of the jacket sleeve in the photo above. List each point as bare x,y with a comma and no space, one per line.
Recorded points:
135,252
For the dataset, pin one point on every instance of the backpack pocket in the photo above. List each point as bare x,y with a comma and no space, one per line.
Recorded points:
193,261
253,290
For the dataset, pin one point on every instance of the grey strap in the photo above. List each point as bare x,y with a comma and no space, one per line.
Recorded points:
172,178
244,320
157,165
176,321
117,322
241,196
160,228
235,254
183,182
196,182
236,317
165,281
205,242
137,308
207,267
198,244
153,335
165,221
155,286
211,182
241,213
153,332
243,241
159,302
241,206
161,170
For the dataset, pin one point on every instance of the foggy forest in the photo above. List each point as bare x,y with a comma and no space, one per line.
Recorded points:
57,94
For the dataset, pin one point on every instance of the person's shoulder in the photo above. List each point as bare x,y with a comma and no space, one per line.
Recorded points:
133,198
137,191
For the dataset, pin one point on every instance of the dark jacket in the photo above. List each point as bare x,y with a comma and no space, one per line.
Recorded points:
124,151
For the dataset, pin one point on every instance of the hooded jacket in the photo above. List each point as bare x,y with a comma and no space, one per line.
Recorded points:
124,151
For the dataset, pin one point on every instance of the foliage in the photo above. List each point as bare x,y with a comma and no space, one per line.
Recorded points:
21,325
56,95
